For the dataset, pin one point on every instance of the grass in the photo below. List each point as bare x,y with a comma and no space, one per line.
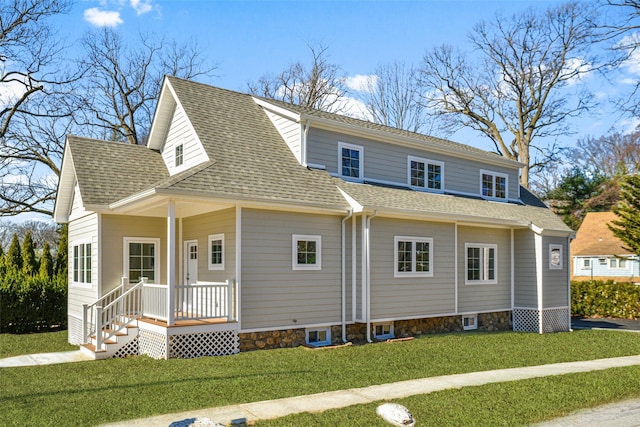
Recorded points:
45,342
517,403
89,393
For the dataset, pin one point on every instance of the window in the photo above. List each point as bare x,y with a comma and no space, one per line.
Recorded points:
425,173
140,259
602,261
216,252
617,263
351,161
555,257
383,330
586,263
470,322
179,155
306,252
319,337
493,185
481,260
82,263
413,256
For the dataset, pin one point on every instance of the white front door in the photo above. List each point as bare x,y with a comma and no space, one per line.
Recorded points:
191,262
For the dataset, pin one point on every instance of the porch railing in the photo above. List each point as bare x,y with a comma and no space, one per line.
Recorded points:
113,312
121,306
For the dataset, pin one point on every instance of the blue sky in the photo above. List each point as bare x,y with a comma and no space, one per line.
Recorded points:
251,38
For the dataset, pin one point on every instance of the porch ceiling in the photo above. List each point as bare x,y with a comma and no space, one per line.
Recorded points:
157,206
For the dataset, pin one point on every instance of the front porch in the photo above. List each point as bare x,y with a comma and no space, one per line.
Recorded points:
141,319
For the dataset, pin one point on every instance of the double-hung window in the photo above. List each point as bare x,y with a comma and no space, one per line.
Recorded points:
82,263
140,259
179,155
493,185
216,251
306,252
617,263
482,263
351,162
413,256
424,173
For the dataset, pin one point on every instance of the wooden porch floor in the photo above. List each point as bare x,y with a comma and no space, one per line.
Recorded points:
182,323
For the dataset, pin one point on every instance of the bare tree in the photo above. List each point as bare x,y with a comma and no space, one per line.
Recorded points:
525,85
41,232
320,86
610,155
393,98
123,81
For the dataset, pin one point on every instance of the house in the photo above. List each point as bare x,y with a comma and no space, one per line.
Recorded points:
246,223
599,255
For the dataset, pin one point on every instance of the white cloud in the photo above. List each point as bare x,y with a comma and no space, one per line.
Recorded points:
353,107
360,82
141,6
102,18
14,179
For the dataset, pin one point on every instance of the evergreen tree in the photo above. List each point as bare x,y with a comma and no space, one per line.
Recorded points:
29,261
627,228
2,267
13,259
46,262
62,264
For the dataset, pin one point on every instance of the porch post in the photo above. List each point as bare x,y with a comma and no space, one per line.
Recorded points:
171,261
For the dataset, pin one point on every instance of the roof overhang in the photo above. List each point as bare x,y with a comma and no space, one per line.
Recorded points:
66,185
162,115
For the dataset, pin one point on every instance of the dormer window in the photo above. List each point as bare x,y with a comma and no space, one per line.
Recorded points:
493,185
351,161
425,173
179,155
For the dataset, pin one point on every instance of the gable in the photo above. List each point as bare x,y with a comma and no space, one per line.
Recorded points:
290,131
595,238
182,138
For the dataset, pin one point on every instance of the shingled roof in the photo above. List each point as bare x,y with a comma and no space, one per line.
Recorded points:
595,238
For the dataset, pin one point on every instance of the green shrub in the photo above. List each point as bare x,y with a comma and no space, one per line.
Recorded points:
605,299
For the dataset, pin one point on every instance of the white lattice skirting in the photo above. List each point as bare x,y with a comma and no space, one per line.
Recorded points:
152,343
218,343
553,320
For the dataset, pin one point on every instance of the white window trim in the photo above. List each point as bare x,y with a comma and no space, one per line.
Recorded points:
466,263
470,327
360,148
413,272
125,255
390,335
584,265
294,252
626,262
74,283
211,238
175,155
493,180
426,162
553,247
326,342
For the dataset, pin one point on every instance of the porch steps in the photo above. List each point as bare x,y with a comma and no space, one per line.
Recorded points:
111,346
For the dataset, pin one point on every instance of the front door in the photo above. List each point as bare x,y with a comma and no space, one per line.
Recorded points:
191,264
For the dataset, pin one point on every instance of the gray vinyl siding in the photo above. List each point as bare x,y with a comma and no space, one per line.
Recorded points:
83,230
526,286
180,131
555,288
273,295
485,297
401,297
114,229
290,132
199,228
388,162
349,284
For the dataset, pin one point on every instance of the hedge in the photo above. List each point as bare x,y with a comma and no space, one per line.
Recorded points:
32,303
605,299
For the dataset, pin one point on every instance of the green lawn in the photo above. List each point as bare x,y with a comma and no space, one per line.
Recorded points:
90,393
46,342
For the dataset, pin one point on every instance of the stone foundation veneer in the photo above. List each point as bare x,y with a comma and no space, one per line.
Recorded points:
357,333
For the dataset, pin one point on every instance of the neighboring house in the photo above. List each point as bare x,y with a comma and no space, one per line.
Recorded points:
599,255
247,223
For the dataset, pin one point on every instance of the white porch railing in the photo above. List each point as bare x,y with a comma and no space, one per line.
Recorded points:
121,307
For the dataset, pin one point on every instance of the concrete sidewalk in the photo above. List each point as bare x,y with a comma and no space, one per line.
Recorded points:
343,398
44,359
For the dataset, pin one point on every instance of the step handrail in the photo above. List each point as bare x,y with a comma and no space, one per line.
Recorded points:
119,313
89,310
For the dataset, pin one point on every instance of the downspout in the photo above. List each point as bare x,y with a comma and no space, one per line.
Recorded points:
344,278
368,269
303,148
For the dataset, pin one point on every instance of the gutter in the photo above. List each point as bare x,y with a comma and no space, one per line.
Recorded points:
344,279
